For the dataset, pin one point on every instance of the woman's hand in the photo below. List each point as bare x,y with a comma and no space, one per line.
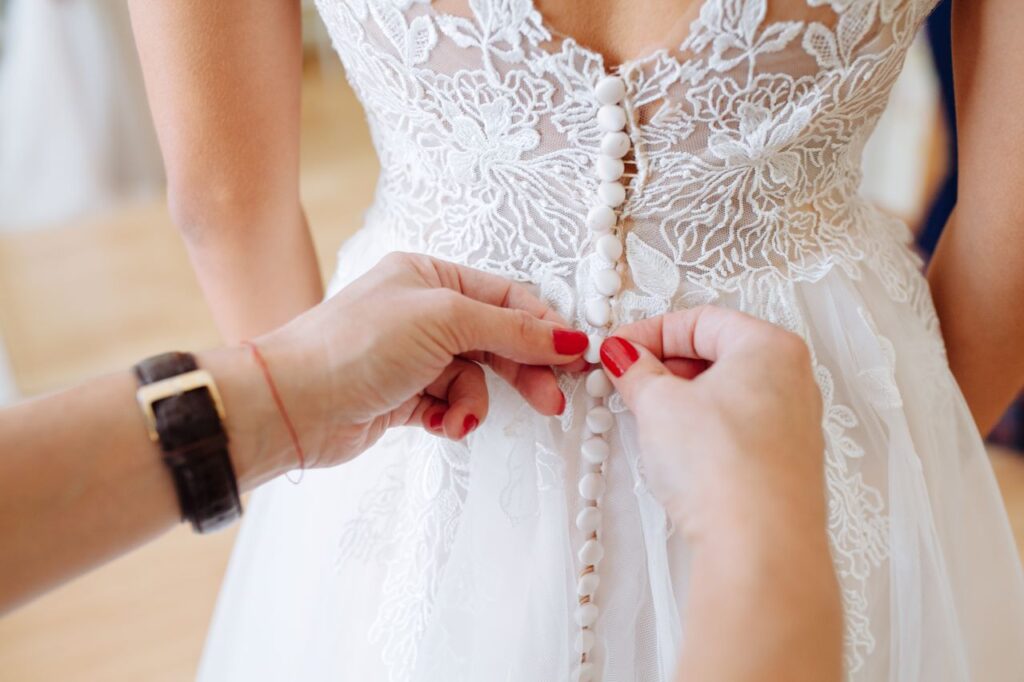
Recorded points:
728,413
734,450
398,346
403,345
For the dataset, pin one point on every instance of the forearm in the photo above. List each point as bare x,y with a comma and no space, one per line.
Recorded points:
977,275
977,279
80,481
224,84
256,272
763,605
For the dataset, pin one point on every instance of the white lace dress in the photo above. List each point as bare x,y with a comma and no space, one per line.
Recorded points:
428,560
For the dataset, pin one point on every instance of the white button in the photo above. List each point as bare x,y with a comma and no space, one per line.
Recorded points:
611,193
600,219
589,520
607,281
586,614
603,263
598,384
599,312
615,145
584,673
587,584
592,486
609,169
591,553
595,450
584,641
594,342
610,90
600,419
593,352
611,118
609,247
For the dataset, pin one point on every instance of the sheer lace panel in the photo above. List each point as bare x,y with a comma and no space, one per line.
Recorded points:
747,137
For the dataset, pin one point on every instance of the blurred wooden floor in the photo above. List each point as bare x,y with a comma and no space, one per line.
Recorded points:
98,295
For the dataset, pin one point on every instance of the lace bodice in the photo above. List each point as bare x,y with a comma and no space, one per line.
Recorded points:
747,141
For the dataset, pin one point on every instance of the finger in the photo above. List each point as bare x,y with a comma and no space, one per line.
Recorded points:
536,384
576,366
429,413
705,333
493,290
502,294
514,334
634,370
463,387
686,368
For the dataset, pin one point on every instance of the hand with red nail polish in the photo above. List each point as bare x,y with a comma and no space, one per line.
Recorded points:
469,424
710,380
729,422
569,341
406,344
618,355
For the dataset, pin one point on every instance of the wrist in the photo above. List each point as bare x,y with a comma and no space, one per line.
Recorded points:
782,545
749,505
258,442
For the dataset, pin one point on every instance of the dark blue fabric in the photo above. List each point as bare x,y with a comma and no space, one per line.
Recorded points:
940,41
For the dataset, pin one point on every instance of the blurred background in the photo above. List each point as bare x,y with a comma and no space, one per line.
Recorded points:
93,277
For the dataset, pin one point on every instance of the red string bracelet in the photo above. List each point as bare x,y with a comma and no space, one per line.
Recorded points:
268,377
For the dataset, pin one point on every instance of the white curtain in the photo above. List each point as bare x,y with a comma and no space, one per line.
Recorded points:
75,130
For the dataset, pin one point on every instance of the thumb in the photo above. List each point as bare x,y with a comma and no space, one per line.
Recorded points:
515,334
633,369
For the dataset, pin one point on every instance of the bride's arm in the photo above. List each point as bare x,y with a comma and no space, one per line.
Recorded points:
977,276
223,80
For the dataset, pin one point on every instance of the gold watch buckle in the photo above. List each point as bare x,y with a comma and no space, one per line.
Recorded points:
170,387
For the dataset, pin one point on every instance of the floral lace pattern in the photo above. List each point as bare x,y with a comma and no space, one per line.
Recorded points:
407,524
747,141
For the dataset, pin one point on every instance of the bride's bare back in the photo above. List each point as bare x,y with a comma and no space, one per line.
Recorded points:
623,30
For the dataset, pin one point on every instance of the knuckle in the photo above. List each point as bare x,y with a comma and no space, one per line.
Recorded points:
446,304
655,393
396,259
404,260
792,347
522,323
444,313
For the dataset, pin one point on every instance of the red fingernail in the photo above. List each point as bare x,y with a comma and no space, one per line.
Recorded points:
569,342
436,419
469,423
618,355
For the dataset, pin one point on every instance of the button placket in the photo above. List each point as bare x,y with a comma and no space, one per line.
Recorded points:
603,223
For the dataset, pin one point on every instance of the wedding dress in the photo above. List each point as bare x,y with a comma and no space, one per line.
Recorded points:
430,560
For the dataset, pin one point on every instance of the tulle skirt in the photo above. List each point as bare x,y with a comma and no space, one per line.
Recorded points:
429,560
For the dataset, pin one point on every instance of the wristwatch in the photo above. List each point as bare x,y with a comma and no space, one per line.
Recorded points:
184,415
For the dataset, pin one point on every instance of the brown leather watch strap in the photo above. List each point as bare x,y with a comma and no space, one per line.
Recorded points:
194,445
